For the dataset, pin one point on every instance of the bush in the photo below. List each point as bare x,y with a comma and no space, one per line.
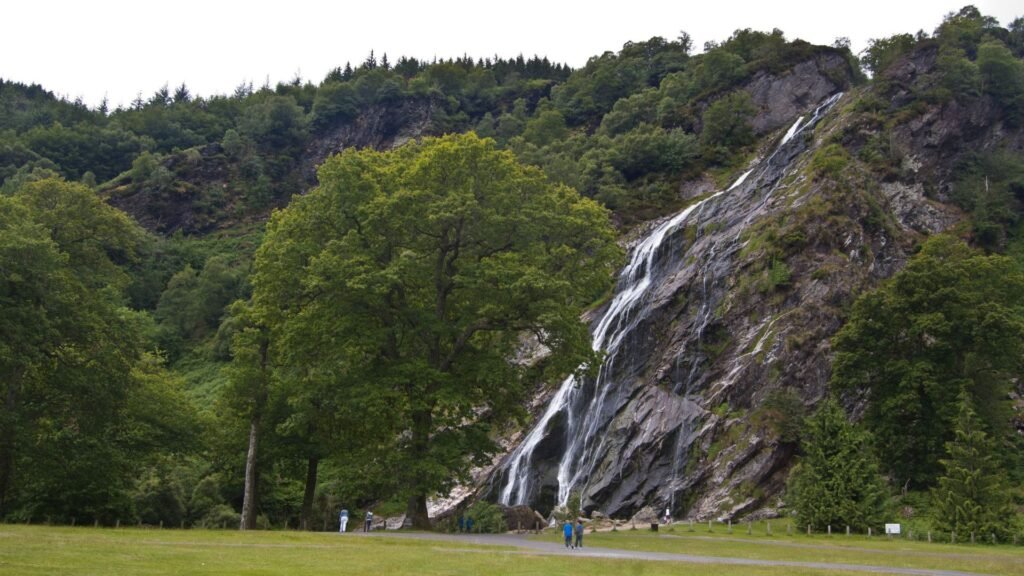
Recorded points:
830,160
727,123
220,515
486,517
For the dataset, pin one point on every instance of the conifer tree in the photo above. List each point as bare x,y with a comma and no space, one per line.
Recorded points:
972,493
837,483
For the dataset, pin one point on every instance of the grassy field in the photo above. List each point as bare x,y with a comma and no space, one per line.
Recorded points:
84,551
875,551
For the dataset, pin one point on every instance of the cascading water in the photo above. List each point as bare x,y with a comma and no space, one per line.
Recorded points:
585,403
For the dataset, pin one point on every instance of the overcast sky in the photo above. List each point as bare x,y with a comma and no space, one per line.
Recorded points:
120,48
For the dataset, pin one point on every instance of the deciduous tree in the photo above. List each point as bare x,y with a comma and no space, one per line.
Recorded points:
414,275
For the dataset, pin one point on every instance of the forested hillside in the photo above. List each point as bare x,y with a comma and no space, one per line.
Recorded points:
261,306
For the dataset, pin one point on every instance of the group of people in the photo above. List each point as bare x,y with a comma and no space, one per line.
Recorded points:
568,531
465,524
343,521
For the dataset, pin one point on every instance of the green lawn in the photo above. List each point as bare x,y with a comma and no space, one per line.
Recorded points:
838,548
84,551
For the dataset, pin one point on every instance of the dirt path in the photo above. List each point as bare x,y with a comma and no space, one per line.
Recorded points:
553,548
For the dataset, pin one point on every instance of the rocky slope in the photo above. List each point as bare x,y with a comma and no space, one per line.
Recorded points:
207,189
730,344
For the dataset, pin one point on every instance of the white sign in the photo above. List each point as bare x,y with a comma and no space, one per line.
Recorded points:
892,528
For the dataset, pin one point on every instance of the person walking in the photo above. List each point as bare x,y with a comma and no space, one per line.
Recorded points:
579,533
369,521
567,532
462,523
342,520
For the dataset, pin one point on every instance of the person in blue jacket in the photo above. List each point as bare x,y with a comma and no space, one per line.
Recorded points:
567,531
579,533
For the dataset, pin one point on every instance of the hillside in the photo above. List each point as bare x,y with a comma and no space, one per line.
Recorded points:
774,200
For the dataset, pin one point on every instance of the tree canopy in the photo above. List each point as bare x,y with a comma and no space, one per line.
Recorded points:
837,481
952,319
408,280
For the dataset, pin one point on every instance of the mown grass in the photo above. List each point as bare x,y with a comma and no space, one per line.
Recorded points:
798,547
87,551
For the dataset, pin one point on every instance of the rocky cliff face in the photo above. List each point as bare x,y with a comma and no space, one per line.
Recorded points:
379,127
730,344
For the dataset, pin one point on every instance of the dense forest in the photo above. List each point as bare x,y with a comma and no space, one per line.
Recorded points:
207,317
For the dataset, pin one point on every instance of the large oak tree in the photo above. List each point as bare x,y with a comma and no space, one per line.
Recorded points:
402,288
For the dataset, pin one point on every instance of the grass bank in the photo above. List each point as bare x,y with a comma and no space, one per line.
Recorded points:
85,551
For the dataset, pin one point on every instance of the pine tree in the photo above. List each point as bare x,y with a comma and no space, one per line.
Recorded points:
837,483
971,495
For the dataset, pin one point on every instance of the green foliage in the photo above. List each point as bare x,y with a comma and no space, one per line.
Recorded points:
487,518
727,124
952,319
881,53
837,482
68,350
335,102
590,93
972,493
989,187
830,161
775,277
191,307
1003,76
417,271
275,123
958,74
545,128
782,413
965,29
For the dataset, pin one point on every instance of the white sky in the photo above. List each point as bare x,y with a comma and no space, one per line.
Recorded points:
122,47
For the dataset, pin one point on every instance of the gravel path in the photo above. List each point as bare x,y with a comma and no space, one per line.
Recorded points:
553,548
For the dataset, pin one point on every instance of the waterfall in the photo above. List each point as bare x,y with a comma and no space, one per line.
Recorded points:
586,419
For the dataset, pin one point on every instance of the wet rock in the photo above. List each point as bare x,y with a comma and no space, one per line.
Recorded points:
781,97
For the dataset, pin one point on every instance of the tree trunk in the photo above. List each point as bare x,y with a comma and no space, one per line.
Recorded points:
417,508
248,520
8,417
249,499
417,512
306,521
